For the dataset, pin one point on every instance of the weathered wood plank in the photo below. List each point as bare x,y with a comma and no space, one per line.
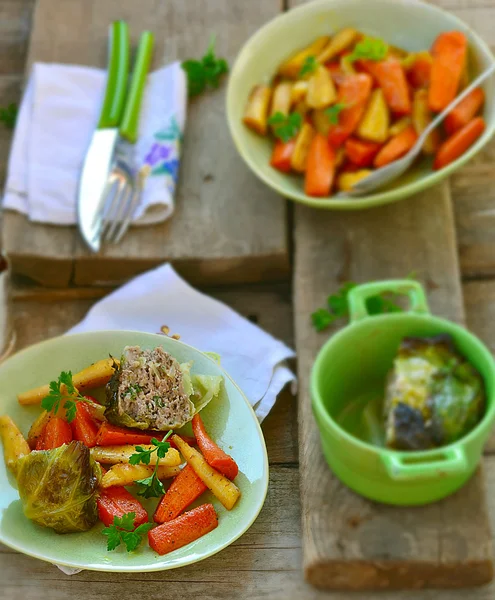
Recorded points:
15,25
228,227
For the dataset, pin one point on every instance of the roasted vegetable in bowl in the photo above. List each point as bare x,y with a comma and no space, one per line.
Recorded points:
349,104
433,396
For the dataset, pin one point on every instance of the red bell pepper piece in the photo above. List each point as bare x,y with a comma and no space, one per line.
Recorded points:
116,501
214,455
84,428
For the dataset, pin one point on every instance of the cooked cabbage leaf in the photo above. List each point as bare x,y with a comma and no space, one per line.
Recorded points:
433,397
58,488
206,387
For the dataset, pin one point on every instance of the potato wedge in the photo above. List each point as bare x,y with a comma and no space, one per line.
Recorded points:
399,126
299,91
347,181
223,489
94,376
340,42
321,121
127,474
301,149
256,113
112,455
321,89
292,67
376,119
282,98
14,444
421,118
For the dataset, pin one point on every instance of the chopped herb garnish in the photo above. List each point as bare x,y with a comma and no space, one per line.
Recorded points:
333,112
151,487
285,127
133,390
8,115
63,392
206,72
122,531
369,49
309,66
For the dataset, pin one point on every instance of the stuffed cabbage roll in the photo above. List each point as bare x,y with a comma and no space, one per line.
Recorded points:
433,396
58,487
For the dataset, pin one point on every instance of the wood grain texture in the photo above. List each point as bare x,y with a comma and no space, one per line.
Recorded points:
392,547
228,227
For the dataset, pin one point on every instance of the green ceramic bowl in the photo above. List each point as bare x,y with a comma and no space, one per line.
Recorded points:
230,419
409,24
350,371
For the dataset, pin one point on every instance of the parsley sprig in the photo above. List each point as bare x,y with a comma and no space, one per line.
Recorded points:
122,531
333,112
338,306
310,65
369,49
63,392
205,72
151,487
285,127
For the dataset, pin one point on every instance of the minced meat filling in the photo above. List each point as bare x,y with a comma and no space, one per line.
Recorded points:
151,388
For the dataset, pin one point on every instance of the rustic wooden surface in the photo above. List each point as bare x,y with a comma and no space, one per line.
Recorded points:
212,236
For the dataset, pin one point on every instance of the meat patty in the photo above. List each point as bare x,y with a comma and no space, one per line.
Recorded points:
147,391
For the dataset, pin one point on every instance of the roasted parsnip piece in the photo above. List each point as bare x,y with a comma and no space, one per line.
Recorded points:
14,444
376,120
112,455
282,98
127,474
340,42
399,126
421,118
321,121
292,67
301,107
321,89
299,91
301,149
346,181
256,113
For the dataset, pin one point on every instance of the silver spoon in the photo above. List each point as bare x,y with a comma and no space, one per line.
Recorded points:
386,174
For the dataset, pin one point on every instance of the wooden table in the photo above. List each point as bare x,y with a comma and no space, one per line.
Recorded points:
266,561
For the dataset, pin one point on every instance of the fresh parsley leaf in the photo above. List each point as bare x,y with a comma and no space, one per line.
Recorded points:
8,115
63,391
333,112
309,66
205,72
369,49
141,455
151,487
122,531
285,127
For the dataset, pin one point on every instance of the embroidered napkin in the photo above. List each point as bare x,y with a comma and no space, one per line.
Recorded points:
58,114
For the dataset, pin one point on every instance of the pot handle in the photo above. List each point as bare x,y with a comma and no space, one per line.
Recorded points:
359,295
407,466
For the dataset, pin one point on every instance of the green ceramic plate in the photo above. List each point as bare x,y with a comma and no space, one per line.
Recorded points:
409,24
230,420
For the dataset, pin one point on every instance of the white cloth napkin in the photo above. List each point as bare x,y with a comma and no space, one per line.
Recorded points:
58,114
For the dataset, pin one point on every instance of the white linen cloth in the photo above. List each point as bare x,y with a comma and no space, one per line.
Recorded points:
57,117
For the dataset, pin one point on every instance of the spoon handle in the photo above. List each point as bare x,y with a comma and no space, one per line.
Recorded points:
440,117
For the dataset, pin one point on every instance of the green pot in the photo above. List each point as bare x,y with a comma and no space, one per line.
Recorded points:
353,365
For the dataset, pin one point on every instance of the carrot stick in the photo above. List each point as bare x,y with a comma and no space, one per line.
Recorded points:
84,428
183,530
281,155
449,58
396,147
464,111
57,432
458,143
320,167
361,153
391,77
354,92
214,455
116,502
112,435
185,489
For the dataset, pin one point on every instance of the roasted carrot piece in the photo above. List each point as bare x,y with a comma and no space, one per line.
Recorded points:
464,111
320,167
361,153
336,72
84,428
459,142
418,74
353,95
113,435
391,77
183,530
449,58
215,456
57,432
184,490
116,502
396,147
